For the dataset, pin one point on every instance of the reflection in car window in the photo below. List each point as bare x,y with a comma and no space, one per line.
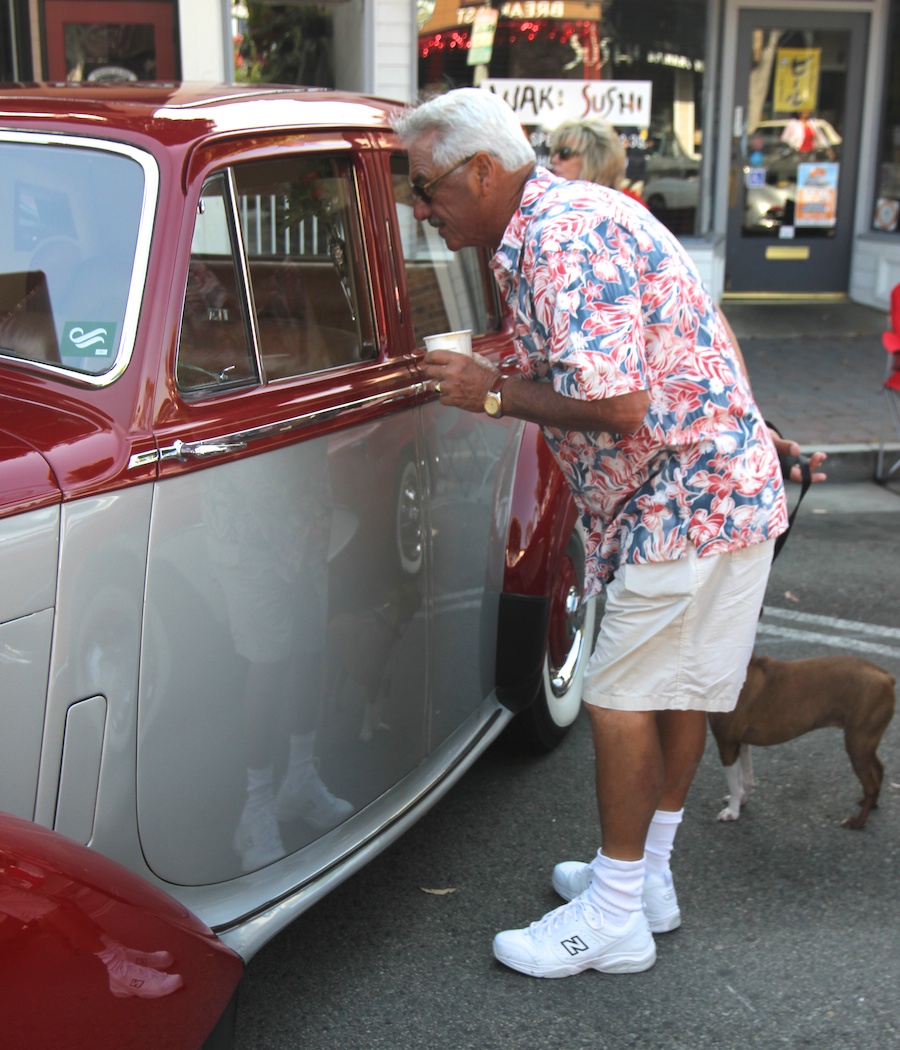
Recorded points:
448,291
66,262
306,262
301,236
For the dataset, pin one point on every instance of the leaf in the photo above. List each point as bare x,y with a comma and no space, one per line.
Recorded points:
439,893
791,597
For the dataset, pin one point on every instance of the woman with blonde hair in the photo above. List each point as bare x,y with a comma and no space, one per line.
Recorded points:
590,150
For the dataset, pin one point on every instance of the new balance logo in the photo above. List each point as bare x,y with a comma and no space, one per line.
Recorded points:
574,945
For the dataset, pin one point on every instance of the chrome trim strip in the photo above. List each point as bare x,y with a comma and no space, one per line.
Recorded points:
240,439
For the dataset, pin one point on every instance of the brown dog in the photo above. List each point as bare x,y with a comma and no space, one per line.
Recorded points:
783,699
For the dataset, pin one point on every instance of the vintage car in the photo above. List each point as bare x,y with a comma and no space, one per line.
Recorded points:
264,599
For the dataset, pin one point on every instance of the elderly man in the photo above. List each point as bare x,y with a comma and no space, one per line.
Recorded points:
639,388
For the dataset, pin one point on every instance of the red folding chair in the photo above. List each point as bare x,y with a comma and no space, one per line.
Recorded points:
891,341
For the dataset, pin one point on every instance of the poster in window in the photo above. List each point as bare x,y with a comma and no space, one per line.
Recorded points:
816,203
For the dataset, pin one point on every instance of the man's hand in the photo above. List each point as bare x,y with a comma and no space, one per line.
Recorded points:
790,450
458,379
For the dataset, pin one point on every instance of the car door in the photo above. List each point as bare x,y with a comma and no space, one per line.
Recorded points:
470,463
285,623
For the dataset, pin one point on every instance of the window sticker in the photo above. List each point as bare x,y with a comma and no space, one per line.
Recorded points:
88,339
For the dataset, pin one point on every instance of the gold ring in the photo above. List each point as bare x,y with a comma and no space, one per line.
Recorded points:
437,387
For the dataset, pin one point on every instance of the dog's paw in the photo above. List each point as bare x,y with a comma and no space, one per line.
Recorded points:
729,814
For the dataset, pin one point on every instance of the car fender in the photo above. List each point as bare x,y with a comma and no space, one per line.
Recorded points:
537,534
71,923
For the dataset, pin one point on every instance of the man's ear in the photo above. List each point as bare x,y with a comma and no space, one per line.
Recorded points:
483,167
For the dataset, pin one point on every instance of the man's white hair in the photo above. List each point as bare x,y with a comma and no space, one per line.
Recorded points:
467,121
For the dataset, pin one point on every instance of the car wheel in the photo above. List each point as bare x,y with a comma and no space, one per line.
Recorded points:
409,523
571,632
656,203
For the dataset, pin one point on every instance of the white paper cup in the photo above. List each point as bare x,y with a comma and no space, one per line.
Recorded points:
458,342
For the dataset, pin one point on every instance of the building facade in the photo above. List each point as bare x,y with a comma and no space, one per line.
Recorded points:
766,135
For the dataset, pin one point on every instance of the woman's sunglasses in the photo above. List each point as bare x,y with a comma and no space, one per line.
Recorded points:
565,153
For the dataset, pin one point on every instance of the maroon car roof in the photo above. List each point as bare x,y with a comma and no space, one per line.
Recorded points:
184,111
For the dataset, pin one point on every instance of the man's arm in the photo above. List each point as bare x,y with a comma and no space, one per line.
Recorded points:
464,382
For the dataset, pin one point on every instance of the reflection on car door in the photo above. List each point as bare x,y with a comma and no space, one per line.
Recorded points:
283,684
470,468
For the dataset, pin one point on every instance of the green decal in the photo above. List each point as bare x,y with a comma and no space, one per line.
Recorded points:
88,339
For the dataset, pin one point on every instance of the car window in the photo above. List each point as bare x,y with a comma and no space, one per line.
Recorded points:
72,216
215,348
293,223
448,291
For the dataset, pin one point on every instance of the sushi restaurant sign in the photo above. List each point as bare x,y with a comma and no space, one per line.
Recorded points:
624,103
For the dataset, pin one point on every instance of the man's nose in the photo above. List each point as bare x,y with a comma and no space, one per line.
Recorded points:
421,210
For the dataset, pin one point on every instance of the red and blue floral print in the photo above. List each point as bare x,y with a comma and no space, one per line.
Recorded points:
606,302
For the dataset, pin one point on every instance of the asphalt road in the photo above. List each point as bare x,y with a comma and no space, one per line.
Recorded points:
791,933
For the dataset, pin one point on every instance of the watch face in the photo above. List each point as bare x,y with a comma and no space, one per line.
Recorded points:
492,404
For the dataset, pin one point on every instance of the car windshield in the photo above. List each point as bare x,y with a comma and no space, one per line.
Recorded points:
67,257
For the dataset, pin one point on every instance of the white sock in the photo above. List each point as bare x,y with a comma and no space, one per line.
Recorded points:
260,788
661,840
616,887
300,756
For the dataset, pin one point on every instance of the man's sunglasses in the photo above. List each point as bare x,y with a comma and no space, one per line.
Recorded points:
566,152
422,190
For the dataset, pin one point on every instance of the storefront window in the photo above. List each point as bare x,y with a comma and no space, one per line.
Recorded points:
639,67
887,192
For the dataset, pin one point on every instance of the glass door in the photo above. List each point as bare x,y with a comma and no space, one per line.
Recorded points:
798,97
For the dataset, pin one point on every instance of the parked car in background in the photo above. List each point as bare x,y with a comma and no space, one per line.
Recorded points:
264,598
780,159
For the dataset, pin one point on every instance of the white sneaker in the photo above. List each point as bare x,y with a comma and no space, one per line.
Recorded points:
127,979
155,960
257,838
307,798
577,937
661,903
571,878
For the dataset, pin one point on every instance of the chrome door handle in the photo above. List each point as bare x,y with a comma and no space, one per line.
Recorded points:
204,449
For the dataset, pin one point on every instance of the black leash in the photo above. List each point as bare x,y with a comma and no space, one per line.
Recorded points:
787,462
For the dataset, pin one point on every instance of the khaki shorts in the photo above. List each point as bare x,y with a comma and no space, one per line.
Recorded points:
678,635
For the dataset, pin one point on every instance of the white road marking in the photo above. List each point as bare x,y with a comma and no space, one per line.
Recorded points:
833,622
837,633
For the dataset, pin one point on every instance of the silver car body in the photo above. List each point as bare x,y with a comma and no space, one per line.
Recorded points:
204,561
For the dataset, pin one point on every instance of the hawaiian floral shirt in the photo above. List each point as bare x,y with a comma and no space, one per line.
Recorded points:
607,302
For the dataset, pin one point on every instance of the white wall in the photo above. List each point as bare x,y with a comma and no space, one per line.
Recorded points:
202,27
375,46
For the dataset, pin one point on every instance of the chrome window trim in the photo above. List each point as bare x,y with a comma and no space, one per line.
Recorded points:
141,254
239,247
237,440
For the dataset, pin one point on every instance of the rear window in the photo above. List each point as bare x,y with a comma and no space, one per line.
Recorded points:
67,252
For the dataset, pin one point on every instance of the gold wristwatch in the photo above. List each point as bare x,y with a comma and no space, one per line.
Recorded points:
493,402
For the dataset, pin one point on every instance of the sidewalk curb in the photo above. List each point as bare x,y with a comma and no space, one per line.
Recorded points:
854,462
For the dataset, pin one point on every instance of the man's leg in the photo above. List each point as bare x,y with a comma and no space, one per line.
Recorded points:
683,739
645,760
630,776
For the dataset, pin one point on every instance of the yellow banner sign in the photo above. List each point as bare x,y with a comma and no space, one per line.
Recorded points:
797,78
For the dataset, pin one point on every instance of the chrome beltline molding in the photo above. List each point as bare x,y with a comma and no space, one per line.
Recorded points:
240,439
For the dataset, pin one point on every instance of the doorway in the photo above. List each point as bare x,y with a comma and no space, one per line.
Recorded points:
792,185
